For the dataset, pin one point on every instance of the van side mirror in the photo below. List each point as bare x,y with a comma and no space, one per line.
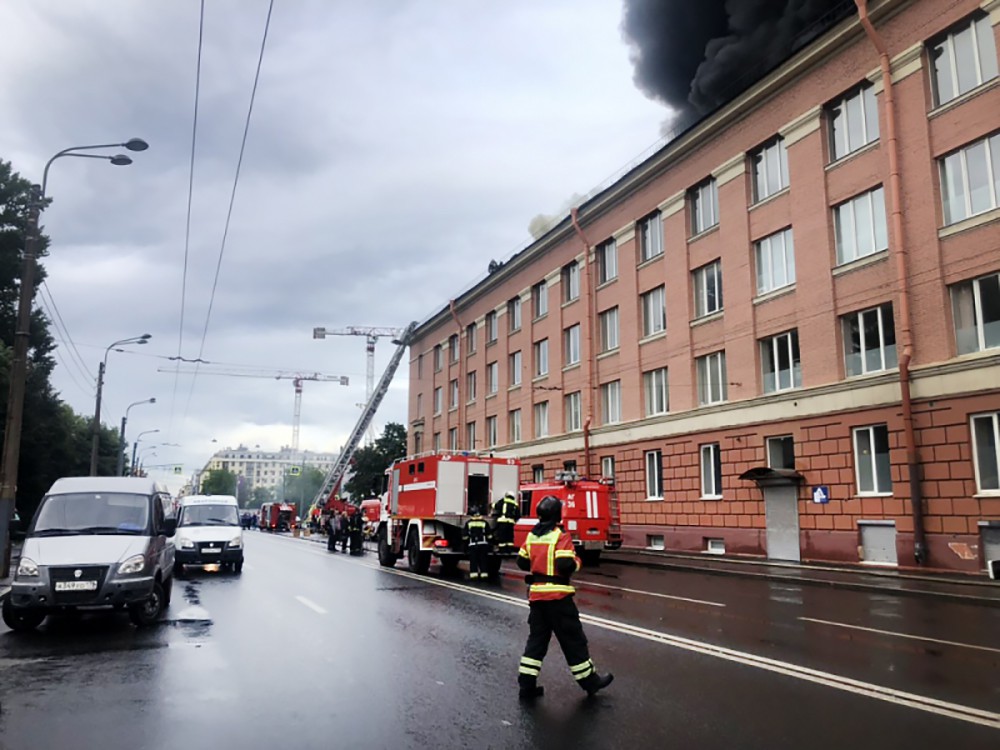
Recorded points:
170,526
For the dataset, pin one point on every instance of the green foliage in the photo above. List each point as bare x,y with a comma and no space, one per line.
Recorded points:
219,482
303,488
370,462
259,496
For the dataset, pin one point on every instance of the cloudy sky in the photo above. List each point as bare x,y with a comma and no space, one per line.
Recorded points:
396,147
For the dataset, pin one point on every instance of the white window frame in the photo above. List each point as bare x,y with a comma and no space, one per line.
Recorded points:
770,351
570,279
850,236
514,425
541,358
653,462
573,406
882,485
709,367
957,190
514,314
775,257
992,422
650,232
654,311
769,161
656,397
454,351
980,28
437,442
514,364
710,272
608,321
774,440
438,400
571,344
453,439
492,432
492,327
611,402
858,104
470,435
608,467
538,474
540,299
492,378
453,393
470,387
711,483
470,338
607,261
704,199
972,292
438,358
888,354
541,419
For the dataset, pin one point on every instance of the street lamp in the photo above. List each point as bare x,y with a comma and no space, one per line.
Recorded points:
135,445
95,440
121,436
145,451
19,361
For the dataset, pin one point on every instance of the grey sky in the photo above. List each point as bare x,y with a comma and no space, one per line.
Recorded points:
396,147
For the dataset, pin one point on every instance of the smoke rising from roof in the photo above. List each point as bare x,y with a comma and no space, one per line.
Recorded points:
695,55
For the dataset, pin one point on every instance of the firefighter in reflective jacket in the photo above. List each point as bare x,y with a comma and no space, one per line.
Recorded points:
549,557
477,537
506,512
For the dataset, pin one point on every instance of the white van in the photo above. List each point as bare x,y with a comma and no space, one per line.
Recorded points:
209,532
95,541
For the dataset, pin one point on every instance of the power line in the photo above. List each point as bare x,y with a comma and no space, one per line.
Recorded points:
58,354
79,360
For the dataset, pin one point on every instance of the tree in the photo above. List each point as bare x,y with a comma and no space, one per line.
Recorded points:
259,496
219,482
303,488
370,462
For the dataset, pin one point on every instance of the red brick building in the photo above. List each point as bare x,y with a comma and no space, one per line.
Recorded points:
767,327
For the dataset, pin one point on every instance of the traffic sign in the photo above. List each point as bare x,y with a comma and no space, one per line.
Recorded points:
294,471
821,494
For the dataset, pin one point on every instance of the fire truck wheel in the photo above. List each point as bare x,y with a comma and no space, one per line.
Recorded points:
590,557
385,557
449,566
493,567
417,561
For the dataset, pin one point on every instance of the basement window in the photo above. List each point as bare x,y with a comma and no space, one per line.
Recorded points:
715,546
654,541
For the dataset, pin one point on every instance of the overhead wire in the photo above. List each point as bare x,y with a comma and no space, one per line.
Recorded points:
57,351
60,323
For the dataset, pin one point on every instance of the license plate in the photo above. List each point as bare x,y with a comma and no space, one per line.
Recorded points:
211,550
76,585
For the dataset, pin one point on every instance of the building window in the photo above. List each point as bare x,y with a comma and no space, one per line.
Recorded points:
538,473
708,289
611,402
654,311
970,180
437,441
438,395
540,299
860,226
514,426
608,321
541,358
438,358
514,314
571,281
964,58
654,386
781,452
453,348
853,121
470,338
608,467
420,365
571,345
492,377
775,257
779,359
870,341
542,419
491,432
976,308
711,472
514,369
650,231
470,436
470,387
712,378
607,262
986,449
654,475
574,412
770,169
420,403
453,439
704,206
871,460
491,327
453,394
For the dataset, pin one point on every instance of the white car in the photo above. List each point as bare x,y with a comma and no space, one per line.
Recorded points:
209,533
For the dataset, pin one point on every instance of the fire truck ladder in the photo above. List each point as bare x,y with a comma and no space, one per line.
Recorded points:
339,469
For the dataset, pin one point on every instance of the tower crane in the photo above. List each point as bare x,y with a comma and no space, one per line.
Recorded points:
372,334
297,378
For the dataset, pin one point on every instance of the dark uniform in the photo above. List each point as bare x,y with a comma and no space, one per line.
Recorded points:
549,557
506,513
478,538
355,529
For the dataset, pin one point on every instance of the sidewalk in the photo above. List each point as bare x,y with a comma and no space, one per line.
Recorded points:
951,587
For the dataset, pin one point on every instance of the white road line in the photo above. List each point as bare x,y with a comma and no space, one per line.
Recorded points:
581,582
312,605
901,635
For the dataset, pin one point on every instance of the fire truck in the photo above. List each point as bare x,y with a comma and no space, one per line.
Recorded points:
276,517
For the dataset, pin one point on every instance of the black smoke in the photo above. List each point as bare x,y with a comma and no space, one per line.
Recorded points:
694,55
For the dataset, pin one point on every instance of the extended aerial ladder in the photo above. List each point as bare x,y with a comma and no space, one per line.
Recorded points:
340,466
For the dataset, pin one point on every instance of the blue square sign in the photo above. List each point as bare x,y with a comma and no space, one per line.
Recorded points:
821,494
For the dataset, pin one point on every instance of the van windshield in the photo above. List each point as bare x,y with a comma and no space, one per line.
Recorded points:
92,513
209,515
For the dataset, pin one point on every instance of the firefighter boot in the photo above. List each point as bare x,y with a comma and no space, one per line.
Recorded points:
529,689
594,682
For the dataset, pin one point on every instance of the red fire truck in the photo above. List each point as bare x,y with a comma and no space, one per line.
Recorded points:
276,517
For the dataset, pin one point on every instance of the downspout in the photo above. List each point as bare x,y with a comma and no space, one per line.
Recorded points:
590,343
461,380
902,281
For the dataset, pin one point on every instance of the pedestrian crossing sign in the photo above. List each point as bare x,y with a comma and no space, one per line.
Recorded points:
178,470
294,471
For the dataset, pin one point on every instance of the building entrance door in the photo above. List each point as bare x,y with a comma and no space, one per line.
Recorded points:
781,508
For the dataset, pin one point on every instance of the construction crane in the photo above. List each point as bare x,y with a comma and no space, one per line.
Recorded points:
336,474
297,379
372,334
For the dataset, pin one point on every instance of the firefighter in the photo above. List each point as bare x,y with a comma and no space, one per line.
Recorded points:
355,529
478,538
506,512
550,560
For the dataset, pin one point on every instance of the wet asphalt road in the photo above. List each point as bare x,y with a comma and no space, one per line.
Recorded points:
312,650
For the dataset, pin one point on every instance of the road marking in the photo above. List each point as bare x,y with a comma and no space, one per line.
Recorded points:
312,605
581,582
901,635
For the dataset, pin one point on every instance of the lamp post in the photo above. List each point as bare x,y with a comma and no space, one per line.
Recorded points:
96,438
121,436
135,445
145,451
19,361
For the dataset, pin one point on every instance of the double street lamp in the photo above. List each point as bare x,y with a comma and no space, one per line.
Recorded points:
96,437
121,436
19,361
135,447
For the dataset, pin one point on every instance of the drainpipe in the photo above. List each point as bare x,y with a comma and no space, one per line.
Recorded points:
902,281
461,381
590,343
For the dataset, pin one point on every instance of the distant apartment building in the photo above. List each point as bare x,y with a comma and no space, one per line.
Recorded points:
780,334
266,468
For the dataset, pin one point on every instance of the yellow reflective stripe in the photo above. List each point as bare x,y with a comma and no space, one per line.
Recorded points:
583,675
553,588
504,519
550,560
523,552
531,671
565,553
531,662
580,667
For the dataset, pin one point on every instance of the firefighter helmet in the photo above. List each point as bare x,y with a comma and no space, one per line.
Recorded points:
509,495
549,509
